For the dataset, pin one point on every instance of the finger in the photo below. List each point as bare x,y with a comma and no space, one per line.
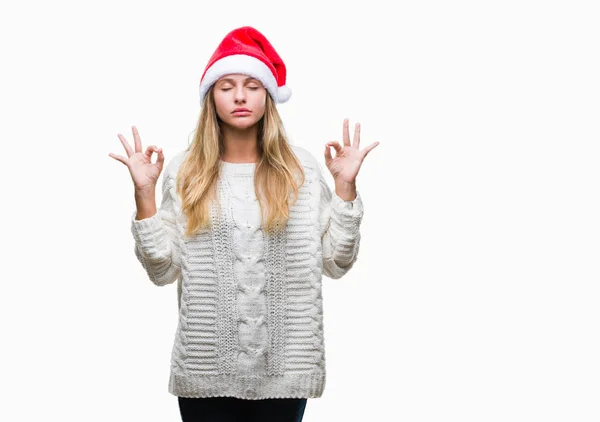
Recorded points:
137,141
369,148
118,158
126,145
149,150
356,140
346,134
328,157
336,145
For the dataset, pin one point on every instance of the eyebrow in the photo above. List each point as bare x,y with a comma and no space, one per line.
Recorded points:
250,78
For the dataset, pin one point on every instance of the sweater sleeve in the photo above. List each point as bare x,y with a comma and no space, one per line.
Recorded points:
156,239
341,237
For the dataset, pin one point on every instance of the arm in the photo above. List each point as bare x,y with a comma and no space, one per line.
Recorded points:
341,236
156,238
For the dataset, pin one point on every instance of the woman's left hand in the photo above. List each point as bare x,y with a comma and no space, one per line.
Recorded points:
348,158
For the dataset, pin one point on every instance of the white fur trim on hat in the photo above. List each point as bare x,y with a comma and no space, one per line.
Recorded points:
283,94
247,65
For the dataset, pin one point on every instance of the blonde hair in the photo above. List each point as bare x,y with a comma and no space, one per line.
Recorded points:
274,175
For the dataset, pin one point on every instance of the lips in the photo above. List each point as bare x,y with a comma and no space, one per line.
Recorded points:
241,110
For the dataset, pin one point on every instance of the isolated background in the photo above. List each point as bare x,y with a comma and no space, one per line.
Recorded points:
475,295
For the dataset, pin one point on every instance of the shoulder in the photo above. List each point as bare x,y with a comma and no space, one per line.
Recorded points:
308,160
173,164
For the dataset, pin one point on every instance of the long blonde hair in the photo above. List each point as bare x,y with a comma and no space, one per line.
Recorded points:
274,175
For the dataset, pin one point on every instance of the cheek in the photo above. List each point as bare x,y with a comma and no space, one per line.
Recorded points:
219,104
260,100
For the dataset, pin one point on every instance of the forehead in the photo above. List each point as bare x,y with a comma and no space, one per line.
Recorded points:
237,77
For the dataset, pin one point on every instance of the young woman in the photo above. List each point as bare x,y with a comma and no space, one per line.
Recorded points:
247,226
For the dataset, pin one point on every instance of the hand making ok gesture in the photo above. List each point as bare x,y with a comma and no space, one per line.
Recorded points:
348,158
144,172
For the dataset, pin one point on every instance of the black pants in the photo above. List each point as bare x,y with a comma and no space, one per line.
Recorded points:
232,409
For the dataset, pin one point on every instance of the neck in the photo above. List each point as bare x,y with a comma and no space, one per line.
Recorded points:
240,145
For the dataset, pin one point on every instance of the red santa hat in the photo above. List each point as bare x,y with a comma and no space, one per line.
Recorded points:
245,50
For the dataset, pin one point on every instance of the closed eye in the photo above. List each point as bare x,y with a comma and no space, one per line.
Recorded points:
253,88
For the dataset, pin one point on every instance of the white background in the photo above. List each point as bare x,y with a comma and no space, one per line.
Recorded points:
475,295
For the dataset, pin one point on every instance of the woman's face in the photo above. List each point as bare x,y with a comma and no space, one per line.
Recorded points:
235,92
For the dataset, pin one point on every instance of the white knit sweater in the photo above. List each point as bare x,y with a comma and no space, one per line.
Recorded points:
250,305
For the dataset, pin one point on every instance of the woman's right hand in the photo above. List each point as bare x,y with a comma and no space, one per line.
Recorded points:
143,172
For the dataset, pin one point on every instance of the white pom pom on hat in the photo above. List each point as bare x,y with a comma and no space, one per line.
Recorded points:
245,50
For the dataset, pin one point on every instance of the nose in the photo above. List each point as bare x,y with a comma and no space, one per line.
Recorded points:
240,94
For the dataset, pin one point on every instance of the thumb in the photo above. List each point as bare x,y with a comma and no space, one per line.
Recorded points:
160,159
328,156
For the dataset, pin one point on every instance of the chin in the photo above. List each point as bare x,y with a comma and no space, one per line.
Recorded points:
241,123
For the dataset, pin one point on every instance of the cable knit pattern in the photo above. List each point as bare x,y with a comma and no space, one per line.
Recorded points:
249,267
250,304
276,301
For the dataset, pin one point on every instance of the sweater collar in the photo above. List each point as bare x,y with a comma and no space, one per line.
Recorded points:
246,169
